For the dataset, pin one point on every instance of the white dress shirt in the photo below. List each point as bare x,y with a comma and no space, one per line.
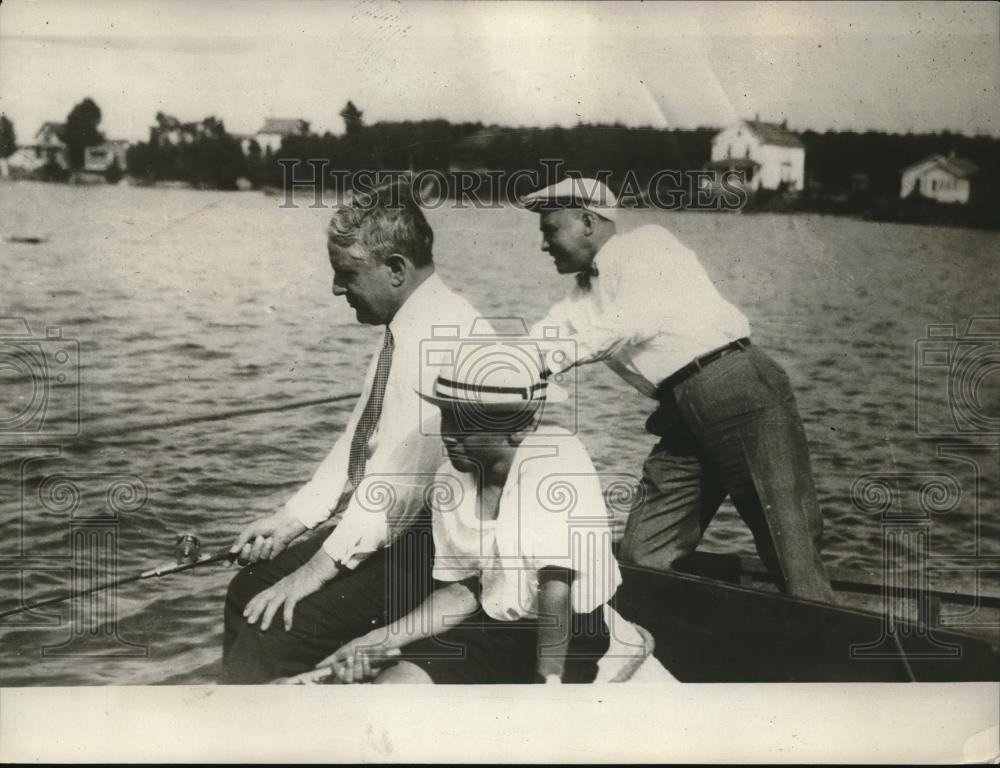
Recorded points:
651,310
551,513
405,448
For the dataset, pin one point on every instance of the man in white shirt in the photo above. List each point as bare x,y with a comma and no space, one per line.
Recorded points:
376,562
522,544
727,417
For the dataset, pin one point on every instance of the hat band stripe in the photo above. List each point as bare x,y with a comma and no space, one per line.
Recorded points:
511,400
462,390
472,394
488,387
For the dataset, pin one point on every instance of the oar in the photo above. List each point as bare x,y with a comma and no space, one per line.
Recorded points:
188,549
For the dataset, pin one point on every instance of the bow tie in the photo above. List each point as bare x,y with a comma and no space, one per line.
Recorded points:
583,278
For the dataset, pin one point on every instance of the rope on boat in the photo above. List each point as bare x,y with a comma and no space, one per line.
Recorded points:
219,416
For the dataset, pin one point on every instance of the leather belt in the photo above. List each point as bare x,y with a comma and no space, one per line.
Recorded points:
698,363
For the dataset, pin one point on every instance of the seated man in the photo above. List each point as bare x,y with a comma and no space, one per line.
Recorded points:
522,547
297,602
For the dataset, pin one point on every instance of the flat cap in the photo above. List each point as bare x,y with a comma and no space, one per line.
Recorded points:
588,194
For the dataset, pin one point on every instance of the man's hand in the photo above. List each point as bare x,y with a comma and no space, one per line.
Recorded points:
290,590
361,659
266,537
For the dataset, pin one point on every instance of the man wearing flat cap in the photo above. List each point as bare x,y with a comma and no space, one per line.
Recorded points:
726,414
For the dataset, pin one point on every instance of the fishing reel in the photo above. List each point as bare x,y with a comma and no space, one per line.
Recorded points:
187,549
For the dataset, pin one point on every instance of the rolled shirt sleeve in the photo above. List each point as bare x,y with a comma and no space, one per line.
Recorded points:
570,527
451,560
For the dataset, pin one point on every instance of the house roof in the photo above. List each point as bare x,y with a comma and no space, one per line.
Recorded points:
773,133
284,126
55,127
958,167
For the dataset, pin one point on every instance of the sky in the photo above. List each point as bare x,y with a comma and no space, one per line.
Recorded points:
825,66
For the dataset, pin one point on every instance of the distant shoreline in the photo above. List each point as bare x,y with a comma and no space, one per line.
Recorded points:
915,212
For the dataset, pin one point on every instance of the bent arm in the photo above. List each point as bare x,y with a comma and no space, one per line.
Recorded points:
589,331
442,610
357,660
555,616
581,337
445,608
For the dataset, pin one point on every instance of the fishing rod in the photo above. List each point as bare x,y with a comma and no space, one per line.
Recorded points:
188,555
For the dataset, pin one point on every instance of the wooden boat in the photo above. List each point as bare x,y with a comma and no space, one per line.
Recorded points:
720,619
713,622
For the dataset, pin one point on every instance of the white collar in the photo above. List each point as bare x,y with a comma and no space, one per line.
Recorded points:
418,303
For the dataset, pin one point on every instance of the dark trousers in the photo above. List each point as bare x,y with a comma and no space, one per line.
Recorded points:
484,650
388,585
731,429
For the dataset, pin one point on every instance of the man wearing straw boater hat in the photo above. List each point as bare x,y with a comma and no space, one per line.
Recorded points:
522,543
726,414
293,605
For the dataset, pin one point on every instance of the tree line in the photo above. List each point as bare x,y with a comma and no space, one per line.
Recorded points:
857,170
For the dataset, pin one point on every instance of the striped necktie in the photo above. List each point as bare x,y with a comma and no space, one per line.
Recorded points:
370,416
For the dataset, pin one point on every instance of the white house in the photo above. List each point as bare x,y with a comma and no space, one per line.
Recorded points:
276,129
769,154
48,147
98,159
945,179
26,159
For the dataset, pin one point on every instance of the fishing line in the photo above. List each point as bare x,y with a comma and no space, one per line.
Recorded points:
219,416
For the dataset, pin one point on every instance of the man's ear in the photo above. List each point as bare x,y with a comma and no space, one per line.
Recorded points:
587,219
399,266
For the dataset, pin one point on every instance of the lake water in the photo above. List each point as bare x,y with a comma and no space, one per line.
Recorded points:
186,303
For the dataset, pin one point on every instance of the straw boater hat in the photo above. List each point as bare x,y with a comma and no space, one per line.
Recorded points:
494,376
588,194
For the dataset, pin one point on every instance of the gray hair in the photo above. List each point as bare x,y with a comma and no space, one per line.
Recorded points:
384,221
